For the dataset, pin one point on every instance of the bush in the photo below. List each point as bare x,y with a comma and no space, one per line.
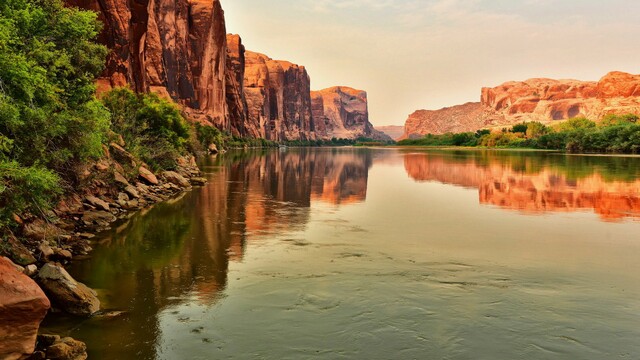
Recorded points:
153,128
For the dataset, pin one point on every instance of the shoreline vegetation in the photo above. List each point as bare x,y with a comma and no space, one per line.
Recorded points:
614,134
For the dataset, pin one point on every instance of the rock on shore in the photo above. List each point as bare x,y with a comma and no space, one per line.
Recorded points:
23,305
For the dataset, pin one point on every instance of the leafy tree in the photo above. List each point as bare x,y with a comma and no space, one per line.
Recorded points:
535,130
519,128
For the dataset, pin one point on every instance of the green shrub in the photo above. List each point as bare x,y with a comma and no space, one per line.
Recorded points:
152,127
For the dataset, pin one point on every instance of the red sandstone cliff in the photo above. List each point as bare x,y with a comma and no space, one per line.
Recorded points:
173,47
237,109
342,112
543,100
278,98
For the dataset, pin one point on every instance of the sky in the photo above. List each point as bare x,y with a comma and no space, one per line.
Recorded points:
429,54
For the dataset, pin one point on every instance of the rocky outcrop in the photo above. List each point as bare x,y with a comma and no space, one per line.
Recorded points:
66,293
461,118
342,112
237,110
176,48
543,100
278,98
548,100
22,307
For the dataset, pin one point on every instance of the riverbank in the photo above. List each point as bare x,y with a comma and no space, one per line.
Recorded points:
34,280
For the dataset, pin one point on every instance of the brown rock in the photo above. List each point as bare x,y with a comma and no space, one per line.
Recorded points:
99,204
132,191
68,294
342,112
12,248
40,230
119,178
147,176
237,111
198,181
175,178
22,307
67,349
98,218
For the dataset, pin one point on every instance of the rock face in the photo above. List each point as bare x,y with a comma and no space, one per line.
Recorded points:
176,48
342,112
22,307
394,131
544,100
467,117
66,293
238,112
278,98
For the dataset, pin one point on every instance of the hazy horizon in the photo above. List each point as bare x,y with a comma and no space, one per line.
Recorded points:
412,54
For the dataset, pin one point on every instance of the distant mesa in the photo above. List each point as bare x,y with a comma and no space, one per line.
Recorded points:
544,100
393,131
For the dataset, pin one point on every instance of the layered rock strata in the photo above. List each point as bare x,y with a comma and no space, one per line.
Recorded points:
342,112
544,100
278,98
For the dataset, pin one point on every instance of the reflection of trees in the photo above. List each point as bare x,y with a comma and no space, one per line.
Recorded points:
537,182
180,249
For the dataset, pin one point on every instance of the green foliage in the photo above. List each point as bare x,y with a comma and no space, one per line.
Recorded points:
519,128
574,124
208,135
535,130
611,120
152,127
49,119
23,189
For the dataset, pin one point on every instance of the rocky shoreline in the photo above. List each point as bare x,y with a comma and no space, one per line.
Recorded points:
33,279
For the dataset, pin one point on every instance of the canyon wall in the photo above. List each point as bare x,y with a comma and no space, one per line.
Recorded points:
342,112
544,100
176,48
180,50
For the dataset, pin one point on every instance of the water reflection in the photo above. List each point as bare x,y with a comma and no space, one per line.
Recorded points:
537,182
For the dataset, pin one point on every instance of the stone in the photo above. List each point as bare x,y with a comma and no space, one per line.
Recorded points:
45,250
62,255
65,292
98,203
176,179
67,349
98,218
237,111
40,230
120,179
12,248
146,175
212,149
23,305
30,270
198,181
342,112
132,191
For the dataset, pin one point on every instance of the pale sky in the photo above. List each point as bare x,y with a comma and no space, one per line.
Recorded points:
428,54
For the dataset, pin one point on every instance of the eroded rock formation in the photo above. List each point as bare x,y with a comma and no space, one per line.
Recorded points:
176,48
544,100
278,98
237,110
394,131
342,112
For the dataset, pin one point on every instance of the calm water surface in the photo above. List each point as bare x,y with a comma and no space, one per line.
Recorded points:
377,254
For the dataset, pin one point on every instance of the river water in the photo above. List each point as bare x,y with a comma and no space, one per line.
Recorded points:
356,253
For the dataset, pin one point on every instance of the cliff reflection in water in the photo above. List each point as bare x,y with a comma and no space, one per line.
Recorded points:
179,251
537,183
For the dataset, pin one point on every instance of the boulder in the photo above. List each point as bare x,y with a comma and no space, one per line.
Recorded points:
212,149
65,292
146,175
13,249
45,251
132,191
40,230
67,349
120,179
23,305
175,178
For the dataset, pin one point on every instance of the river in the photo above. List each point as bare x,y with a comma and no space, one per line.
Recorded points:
354,253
